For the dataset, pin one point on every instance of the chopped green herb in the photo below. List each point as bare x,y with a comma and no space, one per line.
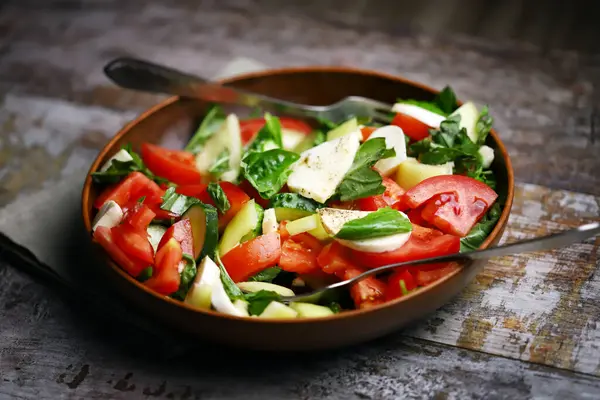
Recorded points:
220,165
482,230
268,171
266,275
215,117
177,203
187,277
260,300
120,169
219,197
145,274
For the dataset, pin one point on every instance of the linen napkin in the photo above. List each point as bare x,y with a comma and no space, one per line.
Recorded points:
43,234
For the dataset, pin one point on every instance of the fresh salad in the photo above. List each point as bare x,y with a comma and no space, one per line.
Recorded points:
262,207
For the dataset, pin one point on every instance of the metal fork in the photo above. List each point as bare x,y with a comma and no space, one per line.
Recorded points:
146,76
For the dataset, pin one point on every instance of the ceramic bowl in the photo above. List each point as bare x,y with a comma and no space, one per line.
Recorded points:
171,124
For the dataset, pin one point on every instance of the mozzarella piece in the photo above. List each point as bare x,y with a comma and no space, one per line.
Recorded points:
121,155
200,292
291,138
222,303
242,306
320,170
228,137
269,224
425,116
333,219
379,244
109,216
487,155
468,119
394,138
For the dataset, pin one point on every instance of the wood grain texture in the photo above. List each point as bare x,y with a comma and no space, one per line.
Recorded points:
56,111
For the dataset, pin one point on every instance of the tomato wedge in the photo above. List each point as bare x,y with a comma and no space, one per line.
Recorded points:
427,277
131,265
367,131
250,127
139,216
134,242
182,232
452,203
165,278
423,243
253,256
411,127
335,258
175,165
132,188
299,254
392,195
399,284
253,193
191,190
366,293
236,196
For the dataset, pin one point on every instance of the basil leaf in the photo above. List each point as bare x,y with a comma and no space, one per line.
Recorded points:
427,105
215,117
473,168
120,169
266,275
484,125
335,307
260,300
320,137
268,171
219,197
361,180
233,292
327,124
482,230
177,203
145,274
383,222
446,100
187,277
269,137
220,165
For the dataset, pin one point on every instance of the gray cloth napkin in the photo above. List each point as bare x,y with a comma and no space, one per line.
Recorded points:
43,234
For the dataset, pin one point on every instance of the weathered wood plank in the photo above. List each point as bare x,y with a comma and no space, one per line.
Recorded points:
53,351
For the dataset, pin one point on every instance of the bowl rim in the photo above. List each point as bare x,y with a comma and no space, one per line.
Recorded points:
85,201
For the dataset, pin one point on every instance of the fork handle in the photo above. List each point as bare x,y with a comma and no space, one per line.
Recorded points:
131,73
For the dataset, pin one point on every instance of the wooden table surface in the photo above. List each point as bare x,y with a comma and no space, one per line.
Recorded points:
527,327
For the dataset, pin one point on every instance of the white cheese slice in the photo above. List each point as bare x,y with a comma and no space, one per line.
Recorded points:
320,170
468,119
487,155
109,215
394,139
291,138
200,292
269,224
333,219
425,116
121,155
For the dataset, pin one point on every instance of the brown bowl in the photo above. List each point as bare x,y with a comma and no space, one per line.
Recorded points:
171,124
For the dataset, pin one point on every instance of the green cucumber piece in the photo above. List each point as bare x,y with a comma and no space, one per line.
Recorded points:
260,212
292,206
307,310
278,310
347,127
205,229
252,287
155,233
242,224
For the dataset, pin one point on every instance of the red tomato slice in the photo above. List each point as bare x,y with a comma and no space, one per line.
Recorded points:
130,190
283,233
366,293
182,232
250,127
411,127
251,257
133,242
299,254
423,243
426,277
139,216
191,190
395,289
455,203
335,258
367,131
165,279
415,217
236,196
132,266
176,166
253,193
392,195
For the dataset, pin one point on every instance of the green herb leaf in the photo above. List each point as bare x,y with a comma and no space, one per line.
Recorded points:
233,292
120,169
269,137
268,171
215,117
446,100
145,274
260,300
427,105
266,275
177,203
327,124
383,222
482,230
187,277
220,165
142,199
335,307
362,181
219,197
484,125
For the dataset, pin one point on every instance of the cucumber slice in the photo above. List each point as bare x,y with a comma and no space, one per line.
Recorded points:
291,139
278,310
227,138
347,127
252,287
308,142
307,310
304,224
243,223
260,212
291,206
319,232
205,229
468,119
242,306
155,233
